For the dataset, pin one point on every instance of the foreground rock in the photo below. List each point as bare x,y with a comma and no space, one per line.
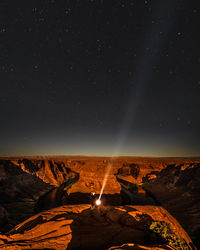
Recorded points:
177,187
79,227
19,191
131,246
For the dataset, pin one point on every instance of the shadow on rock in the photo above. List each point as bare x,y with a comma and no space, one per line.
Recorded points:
104,227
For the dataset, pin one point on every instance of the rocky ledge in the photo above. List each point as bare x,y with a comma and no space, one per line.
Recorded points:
80,227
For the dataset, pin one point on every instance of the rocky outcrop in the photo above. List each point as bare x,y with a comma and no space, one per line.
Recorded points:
18,194
79,227
177,187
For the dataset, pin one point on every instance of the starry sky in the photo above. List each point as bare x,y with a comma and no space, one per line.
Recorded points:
100,77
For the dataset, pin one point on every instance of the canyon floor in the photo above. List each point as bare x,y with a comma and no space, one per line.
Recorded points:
45,203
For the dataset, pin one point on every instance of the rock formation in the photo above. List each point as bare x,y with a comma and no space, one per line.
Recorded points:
79,227
29,186
177,187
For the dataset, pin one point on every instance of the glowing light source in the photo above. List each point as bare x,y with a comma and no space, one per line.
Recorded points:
98,202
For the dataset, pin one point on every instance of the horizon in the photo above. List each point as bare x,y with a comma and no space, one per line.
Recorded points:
99,156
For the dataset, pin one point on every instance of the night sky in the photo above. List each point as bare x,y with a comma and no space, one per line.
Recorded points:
100,77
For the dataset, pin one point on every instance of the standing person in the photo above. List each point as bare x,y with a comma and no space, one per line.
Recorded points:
93,198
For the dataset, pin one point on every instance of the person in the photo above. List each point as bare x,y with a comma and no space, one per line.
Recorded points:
93,198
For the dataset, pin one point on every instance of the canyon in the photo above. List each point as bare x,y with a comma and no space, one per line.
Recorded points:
45,201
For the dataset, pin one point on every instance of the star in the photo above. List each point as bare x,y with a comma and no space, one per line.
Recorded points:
3,30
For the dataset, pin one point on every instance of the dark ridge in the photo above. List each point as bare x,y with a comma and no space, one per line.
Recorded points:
60,166
10,168
31,166
129,169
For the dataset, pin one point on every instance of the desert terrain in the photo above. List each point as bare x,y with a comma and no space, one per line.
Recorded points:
45,203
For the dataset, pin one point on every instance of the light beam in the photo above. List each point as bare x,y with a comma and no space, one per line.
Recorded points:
149,60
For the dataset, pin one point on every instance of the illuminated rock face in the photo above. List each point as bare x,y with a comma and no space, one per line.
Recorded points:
79,227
